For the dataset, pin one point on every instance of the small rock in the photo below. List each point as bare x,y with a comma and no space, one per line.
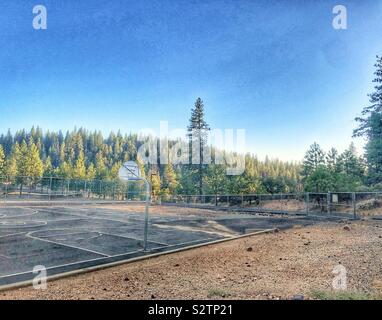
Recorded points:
298,297
346,228
307,243
250,249
153,296
177,265
126,279
277,230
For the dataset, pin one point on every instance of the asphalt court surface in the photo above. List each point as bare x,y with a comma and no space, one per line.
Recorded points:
64,238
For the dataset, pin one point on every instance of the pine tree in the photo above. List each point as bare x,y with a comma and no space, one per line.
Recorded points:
65,170
22,165
331,159
48,167
11,164
2,163
91,172
79,170
155,184
215,179
197,130
35,166
169,182
101,168
314,157
370,127
350,164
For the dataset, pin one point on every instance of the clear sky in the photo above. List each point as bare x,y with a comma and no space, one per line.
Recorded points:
275,68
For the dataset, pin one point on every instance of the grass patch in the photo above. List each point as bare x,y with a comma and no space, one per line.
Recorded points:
343,295
217,293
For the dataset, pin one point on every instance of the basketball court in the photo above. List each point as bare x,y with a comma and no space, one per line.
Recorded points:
65,238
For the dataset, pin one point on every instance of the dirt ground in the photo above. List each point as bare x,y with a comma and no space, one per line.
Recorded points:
269,266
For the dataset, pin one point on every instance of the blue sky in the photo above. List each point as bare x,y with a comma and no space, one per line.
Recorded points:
275,68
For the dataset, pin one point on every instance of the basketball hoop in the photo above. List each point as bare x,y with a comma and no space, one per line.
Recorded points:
130,172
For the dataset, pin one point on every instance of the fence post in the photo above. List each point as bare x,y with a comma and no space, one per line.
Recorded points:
328,203
50,188
354,206
242,200
307,203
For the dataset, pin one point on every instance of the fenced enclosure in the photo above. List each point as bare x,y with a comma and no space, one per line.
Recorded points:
67,224
348,204
352,204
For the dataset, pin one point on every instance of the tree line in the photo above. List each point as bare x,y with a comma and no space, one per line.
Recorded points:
85,155
322,172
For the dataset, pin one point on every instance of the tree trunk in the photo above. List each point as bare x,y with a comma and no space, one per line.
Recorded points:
200,166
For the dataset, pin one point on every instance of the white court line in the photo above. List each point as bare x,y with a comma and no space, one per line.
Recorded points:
72,263
84,230
21,226
83,216
107,219
118,255
5,215
12,234
65,245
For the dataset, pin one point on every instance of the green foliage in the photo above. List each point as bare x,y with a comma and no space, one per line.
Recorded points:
344,172
169,182
155,183
197,130
80,154
370,127
215,179
79,170
314,158
35,166
2,162
91,172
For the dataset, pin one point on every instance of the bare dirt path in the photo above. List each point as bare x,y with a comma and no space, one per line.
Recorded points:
269,266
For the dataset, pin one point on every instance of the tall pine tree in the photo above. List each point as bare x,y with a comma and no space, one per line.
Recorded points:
198,135
370,127
314,157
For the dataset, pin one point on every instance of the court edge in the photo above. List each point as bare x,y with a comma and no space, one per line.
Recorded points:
26,283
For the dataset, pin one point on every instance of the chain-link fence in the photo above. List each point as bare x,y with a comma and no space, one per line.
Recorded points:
351,204
52,188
